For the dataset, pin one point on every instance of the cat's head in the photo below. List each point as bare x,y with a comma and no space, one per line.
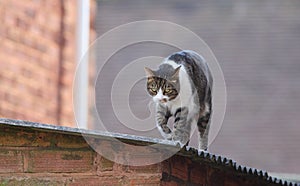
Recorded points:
163,84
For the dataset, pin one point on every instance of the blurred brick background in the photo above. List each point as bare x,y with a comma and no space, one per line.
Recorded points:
37,57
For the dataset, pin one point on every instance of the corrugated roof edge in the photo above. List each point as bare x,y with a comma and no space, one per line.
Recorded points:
189,152
220,161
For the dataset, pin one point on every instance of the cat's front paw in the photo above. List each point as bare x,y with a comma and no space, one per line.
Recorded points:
180,143
167,136
165,132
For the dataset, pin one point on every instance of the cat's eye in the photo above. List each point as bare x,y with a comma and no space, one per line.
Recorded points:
153,89
152,86
167,90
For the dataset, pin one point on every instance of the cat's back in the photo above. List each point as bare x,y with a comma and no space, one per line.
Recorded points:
194,64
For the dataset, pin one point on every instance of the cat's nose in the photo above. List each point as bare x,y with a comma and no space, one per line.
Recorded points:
164,100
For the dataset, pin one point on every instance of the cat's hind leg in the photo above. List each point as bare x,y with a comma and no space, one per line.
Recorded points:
203,125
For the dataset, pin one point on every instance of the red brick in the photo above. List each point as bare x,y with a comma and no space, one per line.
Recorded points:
215,177
145,180
27,138
60,161
156,168
10,161
68,141
16,138
179,167
142,156
170,183
12,181
96,181
166,167
232,182
104,164
198,174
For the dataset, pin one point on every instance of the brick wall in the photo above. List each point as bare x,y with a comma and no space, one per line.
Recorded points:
37,154
37,57
183,171
33,157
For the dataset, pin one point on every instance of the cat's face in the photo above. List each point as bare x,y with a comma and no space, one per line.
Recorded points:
163,87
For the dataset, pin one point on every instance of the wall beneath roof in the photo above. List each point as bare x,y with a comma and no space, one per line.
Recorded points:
32,157
36,154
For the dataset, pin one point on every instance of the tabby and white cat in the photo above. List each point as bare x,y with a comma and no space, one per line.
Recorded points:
182,88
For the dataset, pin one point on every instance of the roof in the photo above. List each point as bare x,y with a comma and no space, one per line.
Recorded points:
191,153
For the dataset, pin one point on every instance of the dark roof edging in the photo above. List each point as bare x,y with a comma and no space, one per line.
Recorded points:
192,153
220,161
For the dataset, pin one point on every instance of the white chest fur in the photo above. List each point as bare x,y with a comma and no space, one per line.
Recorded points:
186,98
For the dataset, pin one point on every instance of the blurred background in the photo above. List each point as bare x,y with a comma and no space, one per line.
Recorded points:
257,44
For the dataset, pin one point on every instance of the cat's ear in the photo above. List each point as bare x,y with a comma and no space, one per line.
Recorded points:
149,72
176,73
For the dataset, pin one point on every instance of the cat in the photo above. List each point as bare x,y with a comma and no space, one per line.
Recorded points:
182,88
